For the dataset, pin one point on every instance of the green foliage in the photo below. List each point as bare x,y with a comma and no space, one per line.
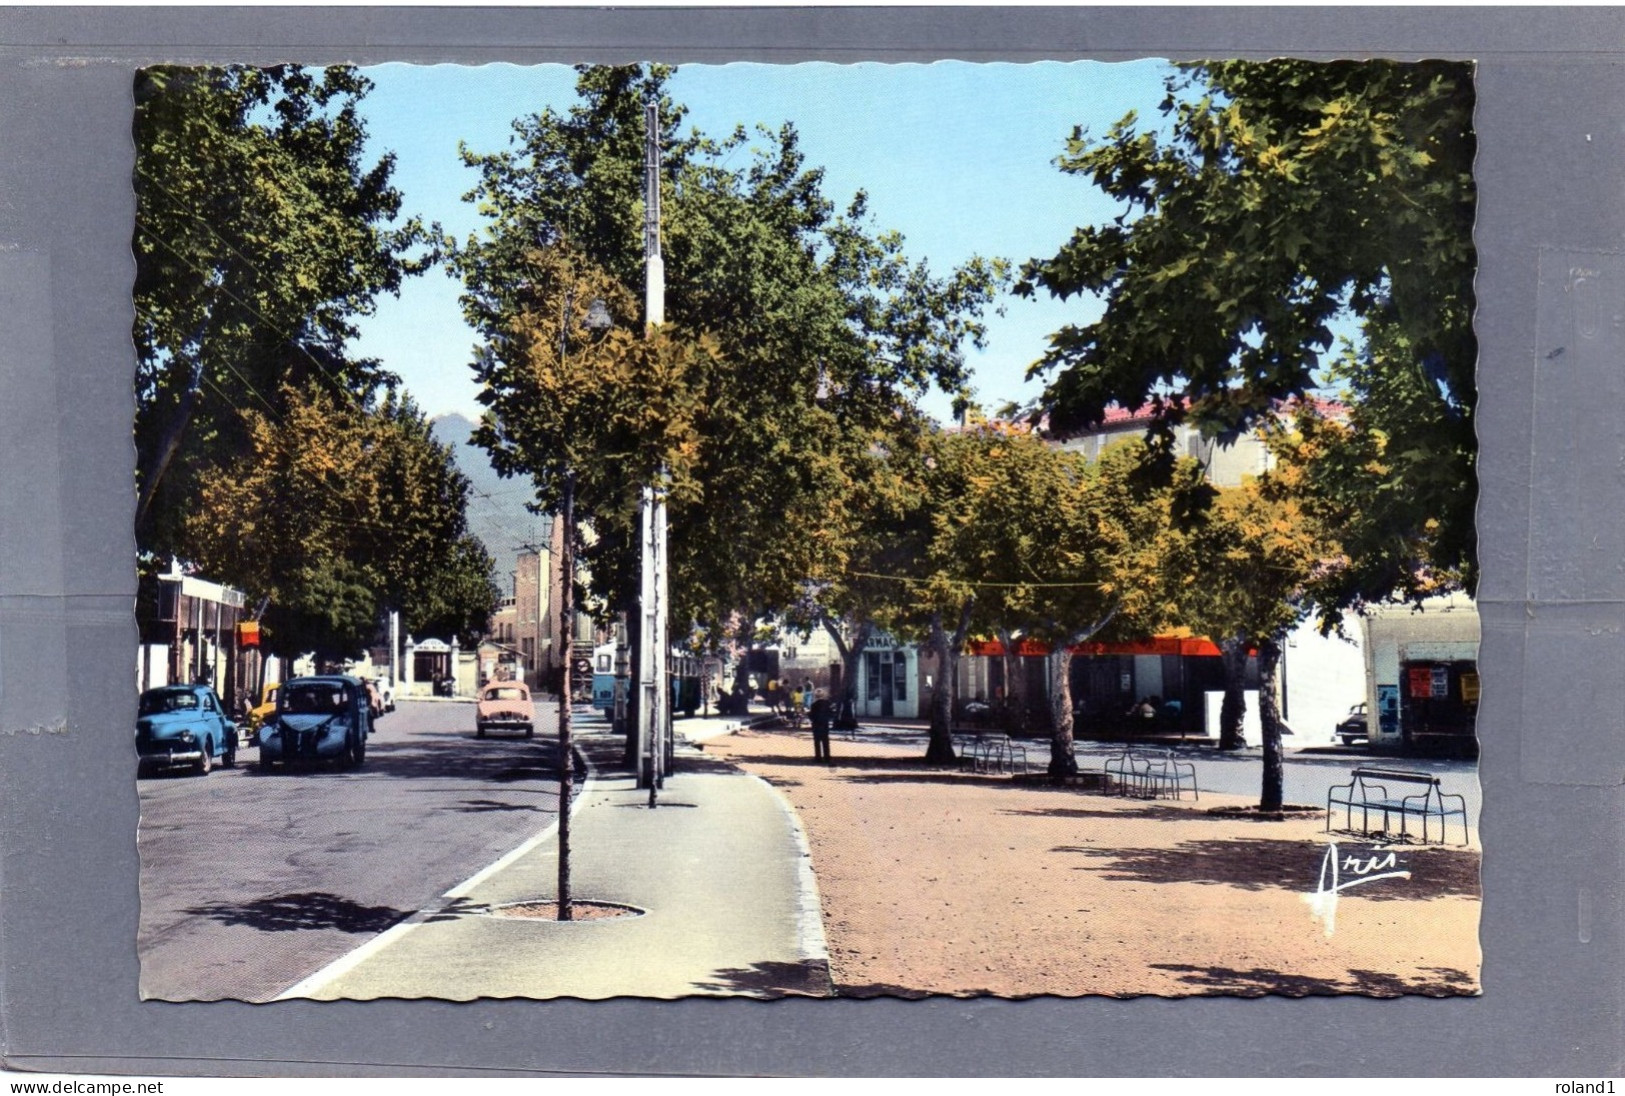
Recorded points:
1279,196
793,336
260,234
1243,568
336,514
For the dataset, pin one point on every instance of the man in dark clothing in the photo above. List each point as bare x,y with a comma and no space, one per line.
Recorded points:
821,714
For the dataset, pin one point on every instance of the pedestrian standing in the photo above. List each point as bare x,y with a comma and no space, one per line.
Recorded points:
774,696
821,714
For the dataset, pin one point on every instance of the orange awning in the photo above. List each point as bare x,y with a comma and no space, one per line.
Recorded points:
1156,645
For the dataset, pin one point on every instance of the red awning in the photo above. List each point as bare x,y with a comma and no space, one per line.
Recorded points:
1156,645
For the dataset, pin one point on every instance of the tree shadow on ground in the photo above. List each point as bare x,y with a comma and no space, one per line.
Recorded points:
930,776
1130,809
867,764
881,989
1253,864
807,978
1261,981
308,910
482,806
457,908
1256,864
505,760
704,764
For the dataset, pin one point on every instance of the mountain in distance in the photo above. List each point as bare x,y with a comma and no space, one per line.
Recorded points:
496,506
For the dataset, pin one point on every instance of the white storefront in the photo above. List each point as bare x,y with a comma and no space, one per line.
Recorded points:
889,682
1422,672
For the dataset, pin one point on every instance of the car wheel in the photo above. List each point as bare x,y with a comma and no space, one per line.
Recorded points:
228,760
264,764
203,764
530,730
351,758
479,730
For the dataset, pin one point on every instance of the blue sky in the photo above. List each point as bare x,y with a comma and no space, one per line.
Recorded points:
958,157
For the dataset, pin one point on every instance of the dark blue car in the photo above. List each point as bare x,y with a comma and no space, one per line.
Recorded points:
325,718
183,725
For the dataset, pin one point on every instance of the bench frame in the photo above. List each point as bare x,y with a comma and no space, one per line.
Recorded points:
1150,774
987,752
1367,791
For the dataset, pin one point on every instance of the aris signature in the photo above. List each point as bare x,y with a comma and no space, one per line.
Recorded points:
1338,873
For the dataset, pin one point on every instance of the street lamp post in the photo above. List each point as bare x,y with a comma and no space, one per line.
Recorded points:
655,699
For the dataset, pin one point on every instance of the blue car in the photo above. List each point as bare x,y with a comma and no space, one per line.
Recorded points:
183,725
324,718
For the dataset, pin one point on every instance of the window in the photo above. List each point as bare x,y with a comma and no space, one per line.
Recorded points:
871,673
900,675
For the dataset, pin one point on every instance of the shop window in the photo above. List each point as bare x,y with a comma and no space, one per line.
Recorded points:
900,675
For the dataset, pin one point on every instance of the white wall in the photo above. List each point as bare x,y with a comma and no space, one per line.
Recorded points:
1325,676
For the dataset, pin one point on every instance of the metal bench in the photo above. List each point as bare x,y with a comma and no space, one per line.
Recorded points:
1165,774
1367,791
1150,774
985,753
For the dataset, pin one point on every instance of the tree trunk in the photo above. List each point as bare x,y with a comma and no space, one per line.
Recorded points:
940,746
850,653
1269,662
171,440
1233,657
567,590
1061,759
1012,708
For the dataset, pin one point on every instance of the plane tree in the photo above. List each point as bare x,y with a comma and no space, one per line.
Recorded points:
1068,550
262,232
337,512
1274,201
817,331
1243,571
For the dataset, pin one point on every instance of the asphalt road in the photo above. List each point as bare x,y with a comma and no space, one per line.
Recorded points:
251,881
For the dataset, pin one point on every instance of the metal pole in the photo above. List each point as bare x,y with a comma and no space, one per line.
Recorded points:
649,648
656,644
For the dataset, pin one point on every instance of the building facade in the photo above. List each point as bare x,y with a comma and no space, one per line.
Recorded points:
1422,682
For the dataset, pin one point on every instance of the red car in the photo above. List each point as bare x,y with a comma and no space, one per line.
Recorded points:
505,706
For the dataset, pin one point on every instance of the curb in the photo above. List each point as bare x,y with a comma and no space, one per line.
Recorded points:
812,943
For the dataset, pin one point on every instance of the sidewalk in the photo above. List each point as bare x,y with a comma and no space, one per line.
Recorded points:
720,869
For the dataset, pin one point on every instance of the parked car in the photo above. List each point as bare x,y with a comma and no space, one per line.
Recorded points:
267,705
375,698
1354,727
506,706
183,725
324,718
